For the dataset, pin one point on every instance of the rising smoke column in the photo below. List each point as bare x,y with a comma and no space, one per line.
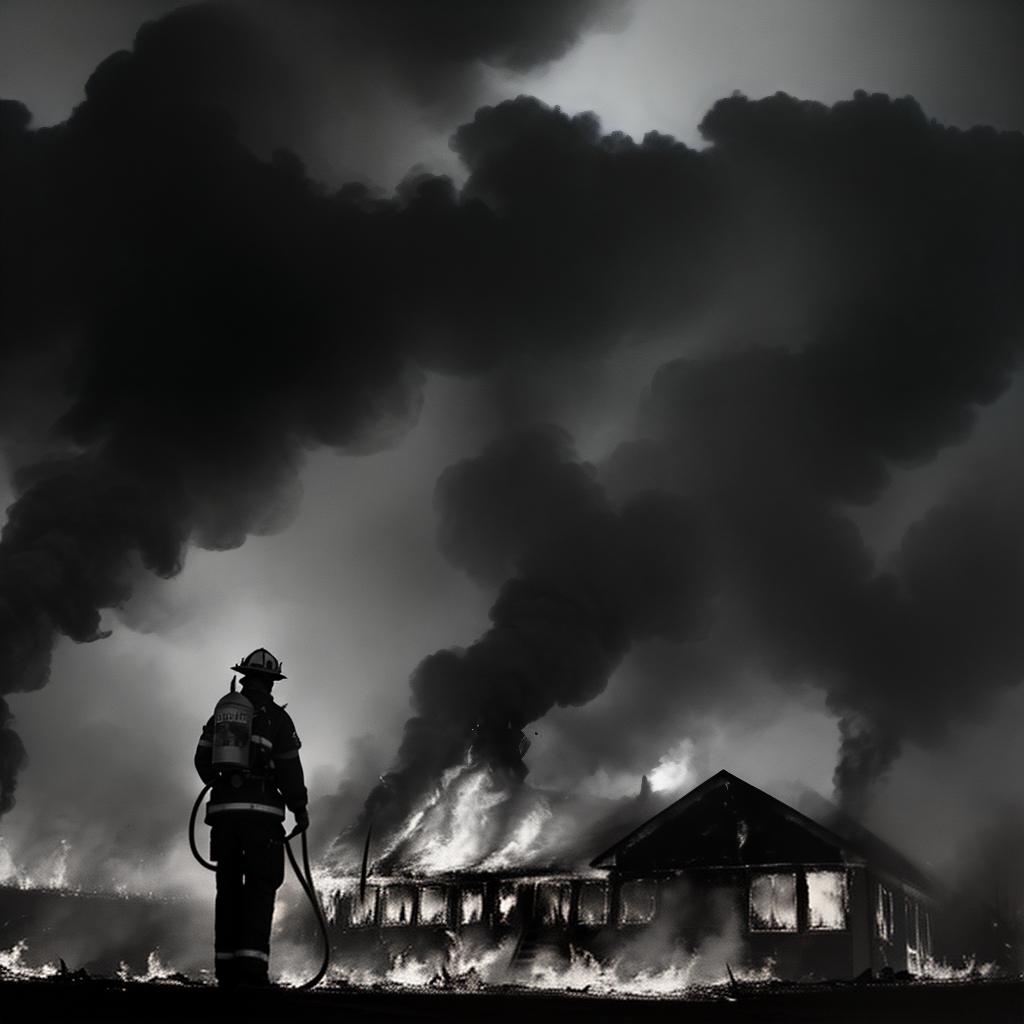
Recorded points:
866,263
587,581
908,275
883,255
900,653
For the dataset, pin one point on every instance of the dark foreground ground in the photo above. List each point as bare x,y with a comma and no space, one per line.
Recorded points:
992,1002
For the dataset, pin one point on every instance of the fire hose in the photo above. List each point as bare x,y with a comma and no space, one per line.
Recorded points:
304,876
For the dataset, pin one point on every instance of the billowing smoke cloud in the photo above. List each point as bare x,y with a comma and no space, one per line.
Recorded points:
888,243
865,263
188,319
434,50
349,86
901,653
438,48
191,318
587,581
907,272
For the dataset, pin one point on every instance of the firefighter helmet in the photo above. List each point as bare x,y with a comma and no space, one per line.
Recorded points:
262,663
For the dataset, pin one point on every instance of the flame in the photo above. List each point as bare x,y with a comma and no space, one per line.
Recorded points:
461,968
970,970
155,970
584,973
456,967
8,869
52,873
675,768
525,841
473,820
13,965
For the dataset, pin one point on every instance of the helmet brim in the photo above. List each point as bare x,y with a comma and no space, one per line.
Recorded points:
248,670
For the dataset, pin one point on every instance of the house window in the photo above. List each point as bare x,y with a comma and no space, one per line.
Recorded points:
592,908
827,900
397,905
364,911
334,908
884,914
637,902
508,896
773,903
433,905
471,906
553,902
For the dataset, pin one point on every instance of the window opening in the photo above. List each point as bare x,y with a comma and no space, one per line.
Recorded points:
592,908
433,905
398,904
827,900
553,902
637,901
471,906
773,903
364,911
508,896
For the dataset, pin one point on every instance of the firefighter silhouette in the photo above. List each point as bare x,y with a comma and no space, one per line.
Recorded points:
249,754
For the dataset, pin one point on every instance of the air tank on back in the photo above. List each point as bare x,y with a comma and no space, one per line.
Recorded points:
232,731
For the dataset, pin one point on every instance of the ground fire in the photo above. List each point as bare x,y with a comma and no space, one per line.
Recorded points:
727,878
724,888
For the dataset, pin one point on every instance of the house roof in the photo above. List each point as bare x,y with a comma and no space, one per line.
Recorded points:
853,844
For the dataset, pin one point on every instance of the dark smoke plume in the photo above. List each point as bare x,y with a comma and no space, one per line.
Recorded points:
190,319
12,758
882,254
326,78
871,260
900,653
587,582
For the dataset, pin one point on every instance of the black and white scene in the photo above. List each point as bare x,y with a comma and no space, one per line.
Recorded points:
513,508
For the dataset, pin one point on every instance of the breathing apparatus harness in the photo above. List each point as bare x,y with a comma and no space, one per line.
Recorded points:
232,741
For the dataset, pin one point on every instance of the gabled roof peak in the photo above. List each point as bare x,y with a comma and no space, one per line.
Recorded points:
852,846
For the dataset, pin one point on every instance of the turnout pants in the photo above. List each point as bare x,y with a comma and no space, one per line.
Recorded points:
248,848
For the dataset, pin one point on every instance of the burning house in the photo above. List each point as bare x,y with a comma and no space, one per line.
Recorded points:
727,874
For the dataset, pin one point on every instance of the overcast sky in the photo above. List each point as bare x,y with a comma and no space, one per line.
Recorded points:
354,592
